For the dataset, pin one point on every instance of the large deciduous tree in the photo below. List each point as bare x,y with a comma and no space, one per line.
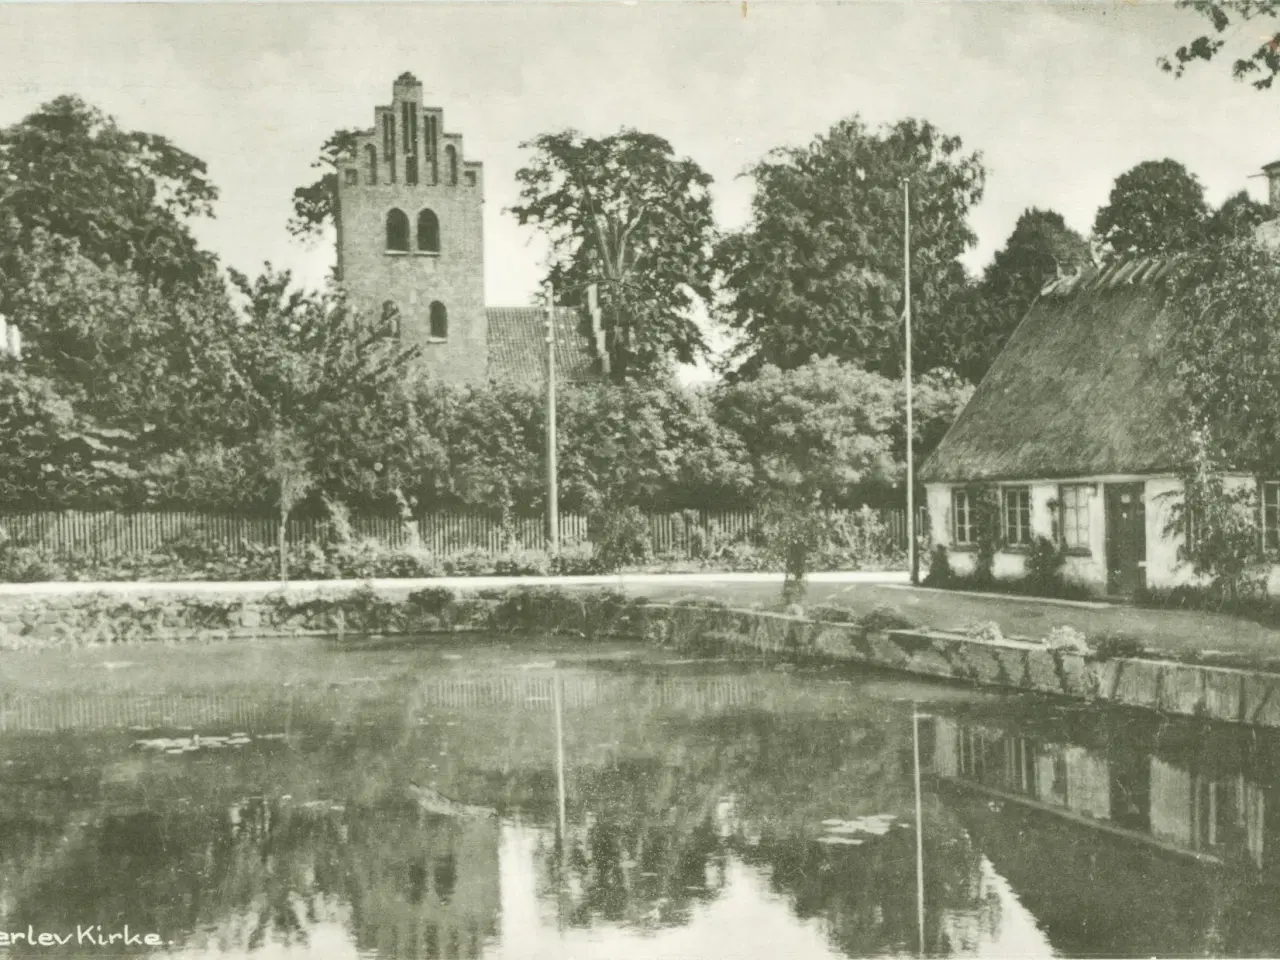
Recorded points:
1155,208
818,271
628,213
315,204
126,196
1258,61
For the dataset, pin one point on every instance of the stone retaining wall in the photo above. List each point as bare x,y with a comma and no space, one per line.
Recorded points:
1216,693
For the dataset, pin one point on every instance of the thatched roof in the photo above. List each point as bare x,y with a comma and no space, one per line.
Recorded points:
1084,387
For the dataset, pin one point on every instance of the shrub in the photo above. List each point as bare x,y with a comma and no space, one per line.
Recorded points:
620,538
987,630
1110,645
1044,567
1067,638
700,601
884,618
940,572
432,601
832,613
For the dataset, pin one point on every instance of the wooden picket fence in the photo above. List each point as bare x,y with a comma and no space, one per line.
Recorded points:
103,535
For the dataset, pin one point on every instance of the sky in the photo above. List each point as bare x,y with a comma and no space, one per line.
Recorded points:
1059,98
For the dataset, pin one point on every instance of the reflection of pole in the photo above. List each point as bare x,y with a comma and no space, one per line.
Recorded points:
559,701
553,495
915,743
906,321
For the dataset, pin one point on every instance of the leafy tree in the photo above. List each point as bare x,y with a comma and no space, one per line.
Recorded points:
51,455
1259,65
1041,248
937,398
818,271
626,212
315,204
1227,347
654,446
132,355
1155,208
126,196
814,437
1237,218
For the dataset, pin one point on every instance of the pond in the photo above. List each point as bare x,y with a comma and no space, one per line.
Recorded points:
303,800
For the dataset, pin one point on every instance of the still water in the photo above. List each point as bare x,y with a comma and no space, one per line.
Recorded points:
297,800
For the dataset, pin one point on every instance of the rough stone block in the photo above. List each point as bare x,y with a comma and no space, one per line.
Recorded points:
1224,695
1262,700
1042,672
1182,689
930,661
1138,683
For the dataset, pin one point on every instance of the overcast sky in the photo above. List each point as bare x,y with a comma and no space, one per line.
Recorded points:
1059,98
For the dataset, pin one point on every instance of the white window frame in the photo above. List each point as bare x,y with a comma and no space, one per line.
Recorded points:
1022,529
1074,520
959,497
1270,505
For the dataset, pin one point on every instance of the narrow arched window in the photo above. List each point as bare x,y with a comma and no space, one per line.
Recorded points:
428,232
439,321
398,231
451,159
371,158
390,319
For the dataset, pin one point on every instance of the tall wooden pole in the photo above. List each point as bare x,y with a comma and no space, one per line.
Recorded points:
553,493
906,319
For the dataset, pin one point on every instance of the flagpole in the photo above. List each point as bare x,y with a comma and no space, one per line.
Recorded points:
906,320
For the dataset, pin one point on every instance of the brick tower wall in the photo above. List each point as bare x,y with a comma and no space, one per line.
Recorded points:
409,143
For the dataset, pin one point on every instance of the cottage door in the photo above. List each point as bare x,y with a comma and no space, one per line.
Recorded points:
1126,538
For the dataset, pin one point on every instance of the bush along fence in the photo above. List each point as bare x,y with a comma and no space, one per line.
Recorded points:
108,534
184,546
50,622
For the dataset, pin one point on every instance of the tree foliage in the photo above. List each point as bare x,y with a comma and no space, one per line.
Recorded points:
1155,208
815,433
1258,64
1227,344
818,272
315,204
1041,248
626,212
126,197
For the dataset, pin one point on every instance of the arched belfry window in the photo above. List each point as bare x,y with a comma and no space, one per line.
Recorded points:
439,321
428,232
398,231
371,160
451,161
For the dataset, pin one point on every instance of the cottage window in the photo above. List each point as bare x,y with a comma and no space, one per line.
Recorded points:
962,518
371,158
1016,516
397,232
1073,511
1271,515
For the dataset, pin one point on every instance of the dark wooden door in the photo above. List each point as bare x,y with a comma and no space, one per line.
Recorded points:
1126,538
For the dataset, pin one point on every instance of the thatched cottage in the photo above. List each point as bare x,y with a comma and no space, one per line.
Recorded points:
1073,431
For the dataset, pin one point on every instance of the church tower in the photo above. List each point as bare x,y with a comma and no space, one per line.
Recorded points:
410,234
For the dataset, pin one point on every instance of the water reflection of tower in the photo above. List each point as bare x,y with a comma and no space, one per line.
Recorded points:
429,887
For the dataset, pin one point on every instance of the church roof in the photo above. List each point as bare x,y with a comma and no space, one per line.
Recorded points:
1084,387
518,346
